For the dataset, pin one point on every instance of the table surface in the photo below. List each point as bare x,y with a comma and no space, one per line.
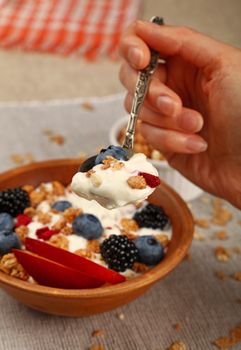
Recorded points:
204,307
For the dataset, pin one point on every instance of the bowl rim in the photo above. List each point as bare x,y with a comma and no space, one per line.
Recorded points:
113,134
148,278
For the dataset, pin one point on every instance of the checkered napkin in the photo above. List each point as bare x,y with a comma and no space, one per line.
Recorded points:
90,28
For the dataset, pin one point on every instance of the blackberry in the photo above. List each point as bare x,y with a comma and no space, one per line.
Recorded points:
119,252
152,216
13,201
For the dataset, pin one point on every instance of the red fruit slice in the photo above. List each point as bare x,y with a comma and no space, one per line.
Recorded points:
52,274
151,180
45,233
22,219
73,261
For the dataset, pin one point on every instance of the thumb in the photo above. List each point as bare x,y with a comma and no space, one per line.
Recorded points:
192,46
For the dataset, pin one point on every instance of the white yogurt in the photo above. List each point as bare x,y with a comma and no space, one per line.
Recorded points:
110,220
114,190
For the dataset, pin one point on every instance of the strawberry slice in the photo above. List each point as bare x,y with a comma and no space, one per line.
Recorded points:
22,219
45,233
52,274
73,261
151,180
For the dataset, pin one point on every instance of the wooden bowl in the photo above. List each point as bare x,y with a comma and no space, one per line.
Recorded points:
75,302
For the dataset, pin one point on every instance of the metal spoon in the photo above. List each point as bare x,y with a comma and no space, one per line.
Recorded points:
144,78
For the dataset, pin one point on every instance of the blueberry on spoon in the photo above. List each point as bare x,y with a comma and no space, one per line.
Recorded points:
116,152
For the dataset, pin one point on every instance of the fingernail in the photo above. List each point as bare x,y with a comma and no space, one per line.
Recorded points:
196,145
167,105
190,123
135,55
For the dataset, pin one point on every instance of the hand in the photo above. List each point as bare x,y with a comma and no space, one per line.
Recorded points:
192,112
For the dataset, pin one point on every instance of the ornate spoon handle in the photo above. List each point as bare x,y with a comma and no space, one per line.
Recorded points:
142,84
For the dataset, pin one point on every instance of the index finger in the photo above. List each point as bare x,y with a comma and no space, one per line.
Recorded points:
134,49
192,46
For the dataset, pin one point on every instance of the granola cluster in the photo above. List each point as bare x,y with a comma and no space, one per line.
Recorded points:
10,266
137,182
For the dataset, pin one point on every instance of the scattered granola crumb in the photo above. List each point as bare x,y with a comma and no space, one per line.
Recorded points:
71,213
20,159
129,224
28,188
44,218
108,161
98,333
220,275
204,223
233,338
59,225
177,327
199,236
222,254
59,241
93,245
57,138
84,252
58,188
11,266
237,276
36,197
139,267
87,105
120,316
221,215
178,345
22,232
30,212
221,235
67,230
117,166
137,182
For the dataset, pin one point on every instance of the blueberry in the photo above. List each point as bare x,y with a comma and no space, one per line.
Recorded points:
8,240
6,222
61,205
150,251
87,226
115,151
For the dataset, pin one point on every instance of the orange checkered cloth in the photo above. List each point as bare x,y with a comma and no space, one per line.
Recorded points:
89,28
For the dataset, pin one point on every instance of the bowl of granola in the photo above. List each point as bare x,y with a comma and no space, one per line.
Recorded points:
185,188
64,255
